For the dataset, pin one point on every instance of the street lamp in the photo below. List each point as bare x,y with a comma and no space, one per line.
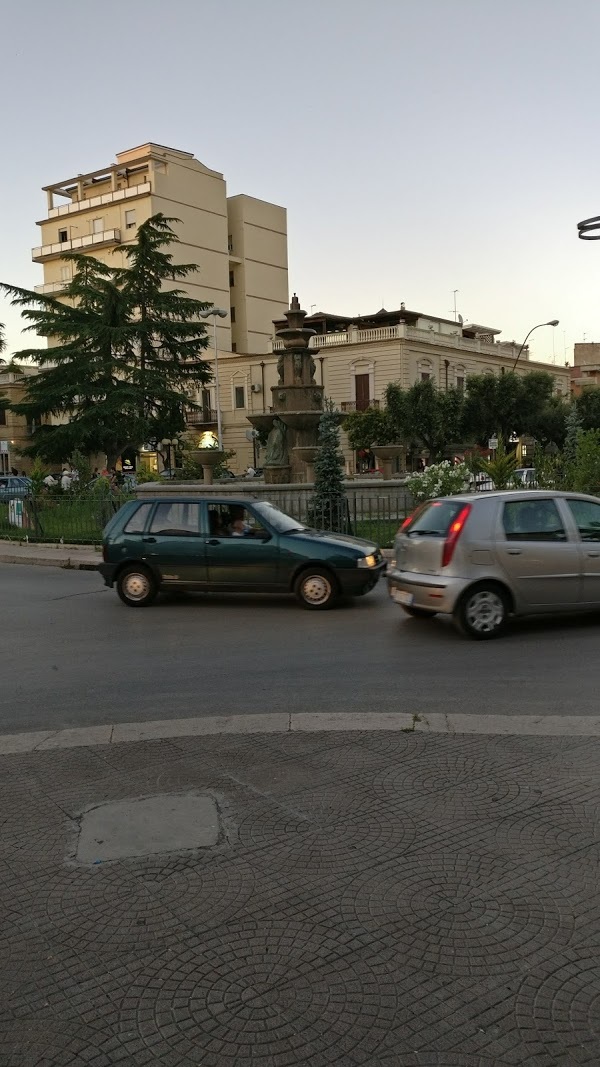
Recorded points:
168,442
553,322
216,313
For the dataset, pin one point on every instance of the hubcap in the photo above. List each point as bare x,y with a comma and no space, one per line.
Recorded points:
485,611
316,589
136,586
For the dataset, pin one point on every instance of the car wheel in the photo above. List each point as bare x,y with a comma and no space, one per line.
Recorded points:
482,612
136,587
316,589
418,613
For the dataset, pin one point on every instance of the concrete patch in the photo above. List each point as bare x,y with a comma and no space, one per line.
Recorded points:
125,829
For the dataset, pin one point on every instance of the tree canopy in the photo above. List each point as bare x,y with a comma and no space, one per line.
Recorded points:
125,351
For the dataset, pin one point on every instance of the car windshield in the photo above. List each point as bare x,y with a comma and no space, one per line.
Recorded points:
434,519
277,519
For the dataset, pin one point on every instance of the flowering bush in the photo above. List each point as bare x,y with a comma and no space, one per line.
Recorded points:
440,479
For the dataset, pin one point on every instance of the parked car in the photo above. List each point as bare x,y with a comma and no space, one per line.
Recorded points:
231,545
482,558
526,477
172,472
14,488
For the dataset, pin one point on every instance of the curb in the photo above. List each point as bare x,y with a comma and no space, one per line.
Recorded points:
302,722
73,564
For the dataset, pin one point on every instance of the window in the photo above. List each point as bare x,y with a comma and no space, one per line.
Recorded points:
532,520
233,314
2,416
233,520
239,394
233,346
63,235
97,225
460,383
176,520
129,219
229,243
138,520
65,274
434,519
425,376
362,386
231,279
587,517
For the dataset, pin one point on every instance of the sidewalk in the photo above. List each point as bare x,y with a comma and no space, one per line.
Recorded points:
75,557
378,898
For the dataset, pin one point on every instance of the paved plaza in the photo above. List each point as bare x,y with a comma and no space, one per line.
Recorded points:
392,899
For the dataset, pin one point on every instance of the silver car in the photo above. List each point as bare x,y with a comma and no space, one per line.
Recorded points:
484,557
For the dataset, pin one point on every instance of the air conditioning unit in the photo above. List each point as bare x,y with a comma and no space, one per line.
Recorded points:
256,388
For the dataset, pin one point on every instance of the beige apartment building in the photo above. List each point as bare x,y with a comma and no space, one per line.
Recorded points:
358,356
15,431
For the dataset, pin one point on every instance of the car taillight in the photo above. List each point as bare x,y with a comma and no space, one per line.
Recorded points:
410,518
454,531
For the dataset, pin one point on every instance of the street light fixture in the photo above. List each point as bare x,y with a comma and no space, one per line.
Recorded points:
169,442
216,313
553,322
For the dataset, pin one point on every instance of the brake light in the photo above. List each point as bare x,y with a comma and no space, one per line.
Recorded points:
454,531
410,518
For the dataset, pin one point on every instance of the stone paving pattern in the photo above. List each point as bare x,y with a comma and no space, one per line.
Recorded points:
393,900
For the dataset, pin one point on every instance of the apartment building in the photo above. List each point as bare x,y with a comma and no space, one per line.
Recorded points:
15,431
586,370
358,356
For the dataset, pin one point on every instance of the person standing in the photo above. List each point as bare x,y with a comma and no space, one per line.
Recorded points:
65,480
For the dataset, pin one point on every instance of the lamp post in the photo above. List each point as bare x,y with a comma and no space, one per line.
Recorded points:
168,442
553,322
216,313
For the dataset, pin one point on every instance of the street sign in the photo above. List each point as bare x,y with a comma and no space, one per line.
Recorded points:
493,443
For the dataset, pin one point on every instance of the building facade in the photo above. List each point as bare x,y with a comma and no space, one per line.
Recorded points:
15,432
586,370
358,357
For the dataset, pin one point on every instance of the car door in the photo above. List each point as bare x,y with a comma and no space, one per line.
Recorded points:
586,515
540,558
175,543
241,553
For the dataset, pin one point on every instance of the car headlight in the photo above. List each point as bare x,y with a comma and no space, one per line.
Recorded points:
367,561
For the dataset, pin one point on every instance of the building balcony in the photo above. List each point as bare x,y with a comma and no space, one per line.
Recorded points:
76,206
411,333
76,244
51,287
203,417
359,405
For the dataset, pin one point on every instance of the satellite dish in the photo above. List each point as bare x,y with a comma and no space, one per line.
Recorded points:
251,435
460,320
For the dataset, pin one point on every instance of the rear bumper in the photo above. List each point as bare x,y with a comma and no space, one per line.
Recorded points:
107,570
428,591
361,580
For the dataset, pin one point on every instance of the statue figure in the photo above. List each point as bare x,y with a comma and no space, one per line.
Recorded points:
313,369
280,369
277,454
298,360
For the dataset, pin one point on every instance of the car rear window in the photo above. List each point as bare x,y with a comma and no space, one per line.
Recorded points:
434,519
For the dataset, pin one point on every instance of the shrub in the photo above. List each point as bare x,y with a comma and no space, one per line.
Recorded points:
440,479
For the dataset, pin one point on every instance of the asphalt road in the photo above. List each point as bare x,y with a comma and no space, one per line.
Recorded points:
72,655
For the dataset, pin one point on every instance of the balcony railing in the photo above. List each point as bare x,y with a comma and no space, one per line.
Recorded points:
205,417
359,405
411,333
144,189
51,287
89,240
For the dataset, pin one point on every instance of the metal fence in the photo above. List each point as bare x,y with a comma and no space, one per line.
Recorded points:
72,518
373,513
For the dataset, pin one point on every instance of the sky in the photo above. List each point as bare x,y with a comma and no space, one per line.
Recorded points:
419,146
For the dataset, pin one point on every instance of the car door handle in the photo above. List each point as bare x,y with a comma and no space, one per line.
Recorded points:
149,540
514,551
213,541
593,555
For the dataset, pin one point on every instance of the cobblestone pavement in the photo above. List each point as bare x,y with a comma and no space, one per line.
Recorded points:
393,900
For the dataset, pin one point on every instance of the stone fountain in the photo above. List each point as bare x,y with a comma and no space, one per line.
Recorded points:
297,405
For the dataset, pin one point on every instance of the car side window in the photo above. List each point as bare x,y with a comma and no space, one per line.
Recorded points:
233,520
587,517
532,520
137,522
176,519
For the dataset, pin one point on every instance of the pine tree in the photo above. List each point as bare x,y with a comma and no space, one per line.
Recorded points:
329,506
125,355
574,427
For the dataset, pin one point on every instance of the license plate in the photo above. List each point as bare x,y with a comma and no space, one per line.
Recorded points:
401,597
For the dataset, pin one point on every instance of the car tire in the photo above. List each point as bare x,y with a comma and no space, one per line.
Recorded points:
316,589
482,612
418,613
136,586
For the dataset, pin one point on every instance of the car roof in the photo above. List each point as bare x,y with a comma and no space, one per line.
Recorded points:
187,498
519,494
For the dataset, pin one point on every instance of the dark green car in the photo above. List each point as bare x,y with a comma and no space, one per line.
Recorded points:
231,545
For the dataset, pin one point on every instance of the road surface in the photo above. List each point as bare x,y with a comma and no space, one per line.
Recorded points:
72,655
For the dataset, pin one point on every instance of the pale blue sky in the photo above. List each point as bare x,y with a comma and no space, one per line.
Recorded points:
419,146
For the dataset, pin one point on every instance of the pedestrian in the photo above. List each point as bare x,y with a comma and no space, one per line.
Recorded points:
14,472
49,481
65,480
